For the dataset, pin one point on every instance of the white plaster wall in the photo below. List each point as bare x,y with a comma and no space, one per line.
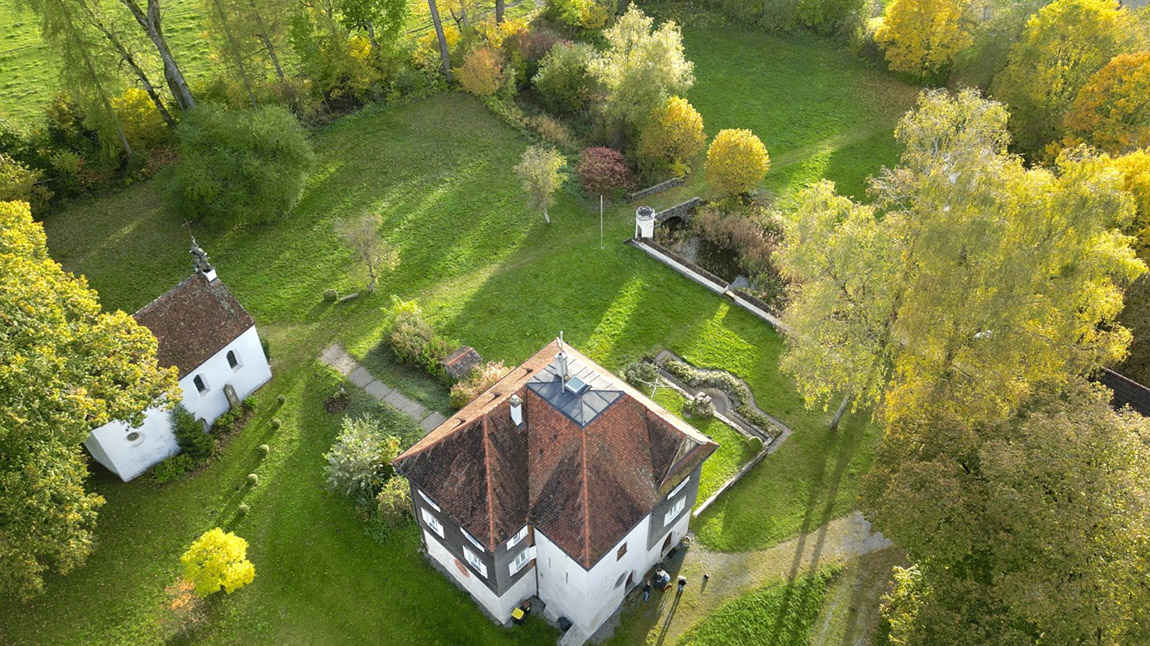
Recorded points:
109,445
589,597
678,531
498,607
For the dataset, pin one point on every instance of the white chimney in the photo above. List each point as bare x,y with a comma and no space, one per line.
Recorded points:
645,222
516,410
561,359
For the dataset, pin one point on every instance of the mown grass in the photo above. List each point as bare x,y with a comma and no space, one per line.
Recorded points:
733,451
782,614
489,273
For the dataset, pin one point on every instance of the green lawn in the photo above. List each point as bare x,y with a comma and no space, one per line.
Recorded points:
490,274
781,614
733,451
820,111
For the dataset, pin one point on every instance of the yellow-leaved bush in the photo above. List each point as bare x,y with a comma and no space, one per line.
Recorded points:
736,161
673,136
482,73
922,36
1112,111
218,559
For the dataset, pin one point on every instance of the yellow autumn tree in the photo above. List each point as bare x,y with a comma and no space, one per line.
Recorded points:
923,36
482,73
673,135
218,559
1135,171
736,161
1112,111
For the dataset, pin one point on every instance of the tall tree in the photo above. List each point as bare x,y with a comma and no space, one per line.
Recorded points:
87,70
219,16
362,238
66,367
541,173
968,270
922,37
444,55
1112,111
150,22
641,68
1062,45
378,18
1029,530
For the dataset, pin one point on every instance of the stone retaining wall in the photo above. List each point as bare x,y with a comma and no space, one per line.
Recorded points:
651,190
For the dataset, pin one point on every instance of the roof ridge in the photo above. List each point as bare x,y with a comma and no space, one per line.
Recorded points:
487,478
586,502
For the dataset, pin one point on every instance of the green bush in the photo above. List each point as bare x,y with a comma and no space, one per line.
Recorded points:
699,405
564,82
275,425
19,183
264,449
281,399
173,468
330,295
359,461
412,339
242,510
194,441
239,167
755,443
394,503
253,479
640,374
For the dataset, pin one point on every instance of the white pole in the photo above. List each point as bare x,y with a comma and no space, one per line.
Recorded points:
600,221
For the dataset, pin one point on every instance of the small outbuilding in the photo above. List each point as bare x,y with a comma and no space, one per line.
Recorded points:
211,340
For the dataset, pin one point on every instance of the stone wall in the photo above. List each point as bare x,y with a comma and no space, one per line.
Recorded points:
651,190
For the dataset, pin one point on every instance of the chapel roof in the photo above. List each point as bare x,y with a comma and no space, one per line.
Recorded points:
584,468
193,321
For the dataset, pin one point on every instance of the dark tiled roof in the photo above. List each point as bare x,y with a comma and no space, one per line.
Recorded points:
193,321
1127,392
583,479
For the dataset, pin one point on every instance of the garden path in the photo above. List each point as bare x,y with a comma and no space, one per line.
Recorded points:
339,358
733,574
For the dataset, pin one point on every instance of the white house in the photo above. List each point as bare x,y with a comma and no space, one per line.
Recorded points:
562,482
212,341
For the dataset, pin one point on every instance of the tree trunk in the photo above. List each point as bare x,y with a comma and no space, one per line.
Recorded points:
150,22
266,40
545,215
840,412
443,53
130,60
235,52
371,39
499,6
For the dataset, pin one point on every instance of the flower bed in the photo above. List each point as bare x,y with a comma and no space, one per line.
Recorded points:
734,387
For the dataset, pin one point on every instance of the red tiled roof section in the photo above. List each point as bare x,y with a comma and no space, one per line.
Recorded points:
193,321
584,488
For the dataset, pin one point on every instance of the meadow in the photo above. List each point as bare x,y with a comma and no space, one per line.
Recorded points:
489,273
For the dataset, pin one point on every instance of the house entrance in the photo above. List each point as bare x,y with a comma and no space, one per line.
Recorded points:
667,543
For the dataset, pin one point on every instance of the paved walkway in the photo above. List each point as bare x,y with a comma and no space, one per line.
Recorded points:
733,574
338,358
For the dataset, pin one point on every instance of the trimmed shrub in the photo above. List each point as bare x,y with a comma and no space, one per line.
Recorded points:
359,462
476,382
482,73
640,374
275,425
173,467
736,162
755,443
281,399
253,479
242,510
564,81
672,136
603,171
330,295
239,167
394,503
264,450
194,441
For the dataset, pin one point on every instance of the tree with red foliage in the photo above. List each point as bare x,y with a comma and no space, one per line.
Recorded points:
603,170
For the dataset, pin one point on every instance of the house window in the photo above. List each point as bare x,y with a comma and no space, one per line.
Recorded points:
675,510
233,360
517,538
621,579
621,551
429,501
473,560
520,561
431,521
201,385
474,541
679,488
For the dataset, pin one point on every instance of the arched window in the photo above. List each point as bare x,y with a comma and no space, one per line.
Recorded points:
233,360
201,385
